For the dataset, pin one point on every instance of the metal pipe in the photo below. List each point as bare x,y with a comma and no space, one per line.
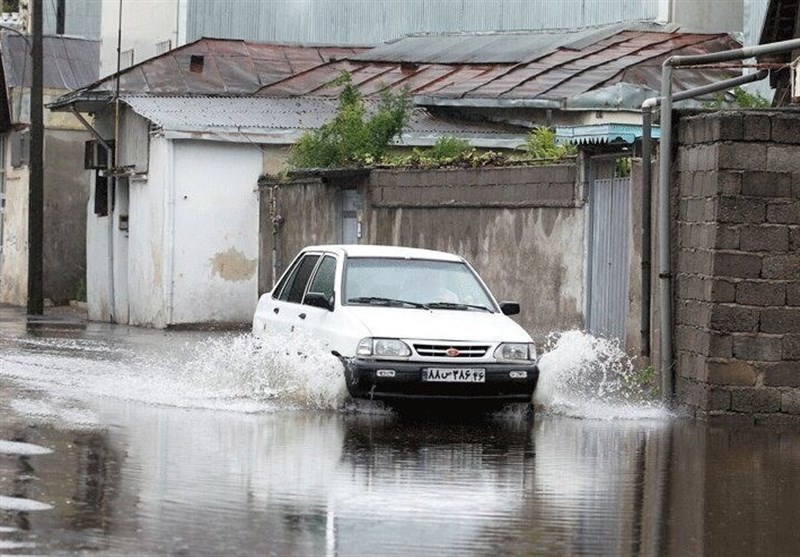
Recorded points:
738,54
93,131
647,234
665,161
647,186
664,252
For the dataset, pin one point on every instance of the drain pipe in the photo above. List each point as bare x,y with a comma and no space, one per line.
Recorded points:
647,185
665,160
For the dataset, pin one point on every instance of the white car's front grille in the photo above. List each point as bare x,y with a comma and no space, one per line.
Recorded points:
451,350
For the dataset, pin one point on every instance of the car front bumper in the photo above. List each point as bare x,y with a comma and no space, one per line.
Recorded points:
363,381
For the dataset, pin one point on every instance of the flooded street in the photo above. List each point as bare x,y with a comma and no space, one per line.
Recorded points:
121,441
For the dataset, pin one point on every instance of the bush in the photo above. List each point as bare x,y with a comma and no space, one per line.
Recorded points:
351,139
447,148
541,144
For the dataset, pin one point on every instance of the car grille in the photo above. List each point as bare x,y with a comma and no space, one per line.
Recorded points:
440,350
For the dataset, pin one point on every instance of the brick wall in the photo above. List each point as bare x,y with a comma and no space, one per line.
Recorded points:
737,310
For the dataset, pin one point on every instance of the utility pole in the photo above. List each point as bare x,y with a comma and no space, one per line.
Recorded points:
36,185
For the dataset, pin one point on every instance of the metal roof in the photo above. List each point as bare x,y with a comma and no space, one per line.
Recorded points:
69,62
490,48
283,120
208,67
549,79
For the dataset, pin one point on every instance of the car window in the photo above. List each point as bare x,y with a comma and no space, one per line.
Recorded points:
324,277
287,278
296,284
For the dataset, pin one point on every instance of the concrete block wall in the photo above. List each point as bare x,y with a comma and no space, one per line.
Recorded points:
737,279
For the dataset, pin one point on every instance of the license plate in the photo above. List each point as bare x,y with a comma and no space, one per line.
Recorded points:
450,375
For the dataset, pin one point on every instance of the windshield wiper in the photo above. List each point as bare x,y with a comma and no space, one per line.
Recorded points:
453,305
385,301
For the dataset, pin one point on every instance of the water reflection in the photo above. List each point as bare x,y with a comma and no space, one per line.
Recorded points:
169,481
64,496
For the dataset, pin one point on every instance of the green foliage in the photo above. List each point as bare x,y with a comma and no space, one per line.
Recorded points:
10,6
352,139
740,99
80,294
447,148
641,385
622,167
541,144
466,159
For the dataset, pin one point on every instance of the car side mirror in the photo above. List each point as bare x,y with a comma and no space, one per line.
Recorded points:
319,300
509,308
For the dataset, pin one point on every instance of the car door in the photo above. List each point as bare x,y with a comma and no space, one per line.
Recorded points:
317,321
286,304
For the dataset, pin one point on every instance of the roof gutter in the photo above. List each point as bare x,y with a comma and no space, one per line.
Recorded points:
665,160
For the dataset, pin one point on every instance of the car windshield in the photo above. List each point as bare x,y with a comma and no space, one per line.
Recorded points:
414,283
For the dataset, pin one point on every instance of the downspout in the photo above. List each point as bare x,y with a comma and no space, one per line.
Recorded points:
665,160
169,230
647,185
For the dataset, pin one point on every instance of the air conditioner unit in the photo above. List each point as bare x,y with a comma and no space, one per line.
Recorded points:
795,80
96,155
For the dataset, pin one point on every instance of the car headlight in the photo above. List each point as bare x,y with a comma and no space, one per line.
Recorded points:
516,352
383,348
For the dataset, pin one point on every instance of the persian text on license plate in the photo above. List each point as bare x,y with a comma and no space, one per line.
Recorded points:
461,375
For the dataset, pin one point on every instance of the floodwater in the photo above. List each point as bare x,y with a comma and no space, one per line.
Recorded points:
118,441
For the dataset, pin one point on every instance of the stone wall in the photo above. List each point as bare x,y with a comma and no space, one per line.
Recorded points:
737,277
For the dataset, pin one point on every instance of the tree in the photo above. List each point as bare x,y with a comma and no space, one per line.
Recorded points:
352,139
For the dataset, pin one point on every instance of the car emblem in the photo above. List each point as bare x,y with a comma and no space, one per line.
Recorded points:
452,352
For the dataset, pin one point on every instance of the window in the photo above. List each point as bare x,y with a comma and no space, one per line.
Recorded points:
20,148
295,285
324,278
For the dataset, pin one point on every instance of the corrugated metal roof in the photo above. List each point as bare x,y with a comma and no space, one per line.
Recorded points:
222,67
490,48
69,62
283,120
632,57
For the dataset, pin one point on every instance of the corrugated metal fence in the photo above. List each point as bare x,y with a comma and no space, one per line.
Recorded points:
609,257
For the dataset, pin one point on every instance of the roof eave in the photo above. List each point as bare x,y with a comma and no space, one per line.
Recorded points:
484,102
82,101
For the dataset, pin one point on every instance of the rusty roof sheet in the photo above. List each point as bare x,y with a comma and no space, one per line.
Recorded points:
69,62
226,67
283,120
551,78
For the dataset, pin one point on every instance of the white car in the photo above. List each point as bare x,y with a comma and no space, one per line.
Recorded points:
407,323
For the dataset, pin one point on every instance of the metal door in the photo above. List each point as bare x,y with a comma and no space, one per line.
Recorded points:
609,258
350,231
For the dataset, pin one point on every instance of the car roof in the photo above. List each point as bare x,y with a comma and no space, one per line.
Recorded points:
399,252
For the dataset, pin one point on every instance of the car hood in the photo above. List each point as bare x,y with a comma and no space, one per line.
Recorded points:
439,324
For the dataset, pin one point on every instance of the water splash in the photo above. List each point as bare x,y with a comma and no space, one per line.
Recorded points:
590,377
296,371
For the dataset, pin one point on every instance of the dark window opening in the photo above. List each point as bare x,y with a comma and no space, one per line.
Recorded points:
196,63
100,195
